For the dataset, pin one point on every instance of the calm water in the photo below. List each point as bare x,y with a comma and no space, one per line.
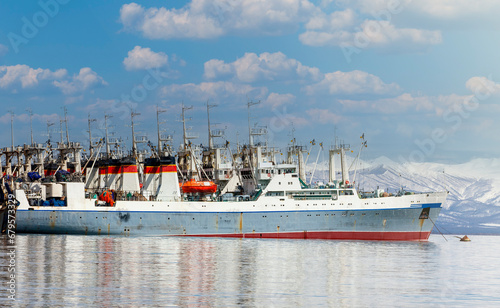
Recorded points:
67,271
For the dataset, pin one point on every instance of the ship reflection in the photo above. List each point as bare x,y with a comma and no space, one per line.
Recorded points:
98,271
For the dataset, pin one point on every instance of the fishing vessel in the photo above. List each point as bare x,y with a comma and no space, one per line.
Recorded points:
285,208
150,197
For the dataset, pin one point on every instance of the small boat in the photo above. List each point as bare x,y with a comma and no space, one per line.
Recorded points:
202,187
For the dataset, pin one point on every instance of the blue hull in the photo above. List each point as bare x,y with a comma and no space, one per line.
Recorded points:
383,224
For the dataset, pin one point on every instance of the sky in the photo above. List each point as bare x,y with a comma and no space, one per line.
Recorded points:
420,79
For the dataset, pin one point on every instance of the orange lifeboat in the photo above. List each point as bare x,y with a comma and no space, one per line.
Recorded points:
202,187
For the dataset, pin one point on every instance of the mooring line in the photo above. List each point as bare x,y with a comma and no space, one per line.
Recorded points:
437,228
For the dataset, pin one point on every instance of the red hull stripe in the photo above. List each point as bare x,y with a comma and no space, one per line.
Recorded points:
108,170
330,235
151,169
118,169
129,169
113,169
168,168
158,169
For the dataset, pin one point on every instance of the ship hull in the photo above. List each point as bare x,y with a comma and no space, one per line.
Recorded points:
404,224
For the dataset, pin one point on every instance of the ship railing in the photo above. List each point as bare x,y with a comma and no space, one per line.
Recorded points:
130,196
219,146
164,137
375,194
192,136
340,146
242,198
257,131
141,139
120,195
114,140
30,194
217,133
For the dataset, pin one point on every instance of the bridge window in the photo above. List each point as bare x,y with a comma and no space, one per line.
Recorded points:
275,193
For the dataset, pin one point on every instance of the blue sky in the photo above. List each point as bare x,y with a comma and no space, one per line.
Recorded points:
421,79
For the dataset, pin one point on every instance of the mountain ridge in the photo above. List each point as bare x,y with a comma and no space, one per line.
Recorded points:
473,203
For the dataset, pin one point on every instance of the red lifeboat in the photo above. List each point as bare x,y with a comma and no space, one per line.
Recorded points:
202,187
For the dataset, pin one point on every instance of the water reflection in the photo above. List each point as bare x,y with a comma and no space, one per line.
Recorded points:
55,270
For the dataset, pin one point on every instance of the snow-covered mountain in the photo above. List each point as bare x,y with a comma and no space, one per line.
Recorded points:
473,205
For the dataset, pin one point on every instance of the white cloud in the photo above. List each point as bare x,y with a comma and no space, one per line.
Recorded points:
441,9
456,9
383,32
3,50
217,69
278,67
323,116
368,24
86,79
419,15
275,100
101,105
220,90
378,21
371,33
375,7
17,77
25,77
141,58
406,101
354,82
482,86
161,23
335,21
281,121
132,16
205,19
25,118
266,66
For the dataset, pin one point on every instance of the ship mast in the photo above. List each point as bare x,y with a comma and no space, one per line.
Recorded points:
106,117
357,159
293,149
61,130
340,149
90,136
250,135
185,136
163,146
12,128
66,122
210,140
237,142
134,144
158,111
49,124
31,123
